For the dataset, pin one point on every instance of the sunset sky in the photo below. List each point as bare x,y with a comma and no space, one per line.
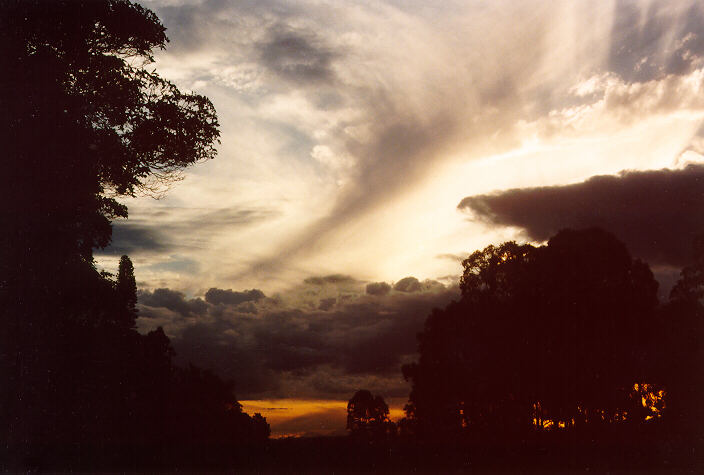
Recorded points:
368,146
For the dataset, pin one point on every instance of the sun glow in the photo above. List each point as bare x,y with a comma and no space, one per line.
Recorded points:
304,417
652,399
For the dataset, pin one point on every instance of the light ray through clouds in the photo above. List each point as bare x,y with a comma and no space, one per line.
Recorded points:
361,125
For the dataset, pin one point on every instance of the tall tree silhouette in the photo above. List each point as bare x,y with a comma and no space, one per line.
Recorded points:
126,287
558,332
86,119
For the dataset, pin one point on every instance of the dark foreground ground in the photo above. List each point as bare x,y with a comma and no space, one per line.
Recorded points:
645,450
556,455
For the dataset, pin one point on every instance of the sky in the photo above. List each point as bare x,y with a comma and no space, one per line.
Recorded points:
368,147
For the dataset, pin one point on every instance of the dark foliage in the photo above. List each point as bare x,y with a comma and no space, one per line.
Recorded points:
567,335
616,450
368,417
126,287
681,357
84,120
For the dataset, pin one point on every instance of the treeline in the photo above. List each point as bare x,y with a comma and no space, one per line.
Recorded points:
568,339
555,356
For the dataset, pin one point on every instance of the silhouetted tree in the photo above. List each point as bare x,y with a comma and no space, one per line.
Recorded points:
261,429
681,355
367,415
126,287
558,332
86,119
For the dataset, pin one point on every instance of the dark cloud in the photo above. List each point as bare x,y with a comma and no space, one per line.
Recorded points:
216,345
130,238
274,350
230,297
247,307
378,288
172,300
297,56
330,279
196,25
408,284
157,232
656,213
327,304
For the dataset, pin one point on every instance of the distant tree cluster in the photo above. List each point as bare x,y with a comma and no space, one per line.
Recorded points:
567,335
84,120
368,417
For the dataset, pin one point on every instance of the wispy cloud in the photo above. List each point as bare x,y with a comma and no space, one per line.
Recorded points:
362,124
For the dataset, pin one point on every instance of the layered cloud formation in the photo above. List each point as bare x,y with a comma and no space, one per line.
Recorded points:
327,338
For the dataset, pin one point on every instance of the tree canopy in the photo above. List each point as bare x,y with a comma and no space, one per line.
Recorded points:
85,119
367,415
560,332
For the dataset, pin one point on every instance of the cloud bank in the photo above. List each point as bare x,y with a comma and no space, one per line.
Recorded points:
324,339
657,213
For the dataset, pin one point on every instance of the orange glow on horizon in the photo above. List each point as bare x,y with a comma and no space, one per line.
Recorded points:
301,417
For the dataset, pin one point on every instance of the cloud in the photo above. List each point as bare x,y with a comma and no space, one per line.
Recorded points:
646,61
327,304
367,103
609,100
218,296
172,300
407,284
378,288
297,57
453,257
170,229
130,238
657,213
656,42
330,279
293,347
173,263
